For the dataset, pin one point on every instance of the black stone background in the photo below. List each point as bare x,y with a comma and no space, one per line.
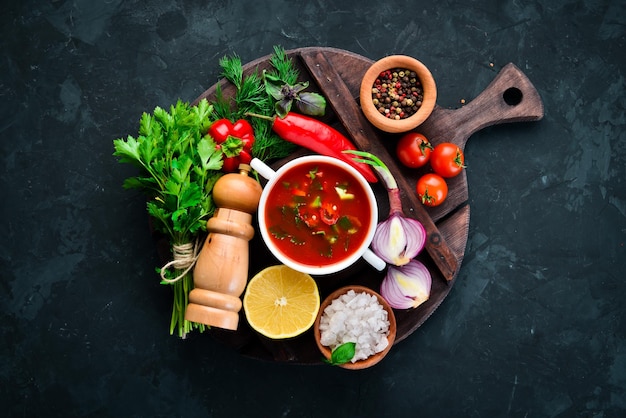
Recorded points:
535,325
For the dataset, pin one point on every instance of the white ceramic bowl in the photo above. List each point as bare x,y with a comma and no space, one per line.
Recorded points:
276,178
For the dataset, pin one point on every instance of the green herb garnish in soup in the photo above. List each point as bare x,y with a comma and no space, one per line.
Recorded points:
317,213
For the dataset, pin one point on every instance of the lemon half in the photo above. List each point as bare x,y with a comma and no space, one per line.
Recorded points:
280,302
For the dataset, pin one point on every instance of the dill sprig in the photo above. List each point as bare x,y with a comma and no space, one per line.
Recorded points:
283,66
232,69
250,95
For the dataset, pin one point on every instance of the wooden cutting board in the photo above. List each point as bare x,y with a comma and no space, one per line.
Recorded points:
337,75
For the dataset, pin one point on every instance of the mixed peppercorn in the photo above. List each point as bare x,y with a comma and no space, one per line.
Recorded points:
397,93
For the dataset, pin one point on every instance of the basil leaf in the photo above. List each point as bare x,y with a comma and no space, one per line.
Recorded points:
283,107
274,90
342,354
311,104
294,90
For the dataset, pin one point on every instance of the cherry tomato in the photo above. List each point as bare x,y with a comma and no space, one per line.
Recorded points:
413,150
432,189
447,160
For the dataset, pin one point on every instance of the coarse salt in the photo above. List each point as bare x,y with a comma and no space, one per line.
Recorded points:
358,318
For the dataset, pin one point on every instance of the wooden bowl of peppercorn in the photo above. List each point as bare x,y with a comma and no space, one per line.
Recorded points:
397,93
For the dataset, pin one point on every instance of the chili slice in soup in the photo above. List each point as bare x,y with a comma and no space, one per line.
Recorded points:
317,213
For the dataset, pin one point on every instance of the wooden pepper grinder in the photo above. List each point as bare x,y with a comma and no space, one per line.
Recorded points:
221,271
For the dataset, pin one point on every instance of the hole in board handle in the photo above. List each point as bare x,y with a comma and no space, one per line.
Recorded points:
512,96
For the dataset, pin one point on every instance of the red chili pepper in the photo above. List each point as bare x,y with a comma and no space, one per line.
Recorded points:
309,217
321,138
223,131
329,213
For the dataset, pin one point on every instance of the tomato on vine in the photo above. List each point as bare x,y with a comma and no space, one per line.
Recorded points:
414,150
432,189
447,160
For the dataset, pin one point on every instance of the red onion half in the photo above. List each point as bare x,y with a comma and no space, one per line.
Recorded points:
398,239
407,286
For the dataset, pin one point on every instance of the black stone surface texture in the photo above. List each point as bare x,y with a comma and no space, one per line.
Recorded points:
535,325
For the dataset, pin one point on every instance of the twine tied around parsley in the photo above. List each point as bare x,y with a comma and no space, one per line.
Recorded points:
185,257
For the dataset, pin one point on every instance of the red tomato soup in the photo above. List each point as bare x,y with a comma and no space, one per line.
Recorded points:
317,214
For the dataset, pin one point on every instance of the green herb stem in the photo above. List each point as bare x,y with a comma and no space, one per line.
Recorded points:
378,165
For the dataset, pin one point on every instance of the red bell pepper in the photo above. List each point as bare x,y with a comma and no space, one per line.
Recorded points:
235,140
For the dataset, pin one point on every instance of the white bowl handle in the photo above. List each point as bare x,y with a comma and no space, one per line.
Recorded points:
263,169
376,262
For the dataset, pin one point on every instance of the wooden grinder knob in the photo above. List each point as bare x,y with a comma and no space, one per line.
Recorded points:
221,271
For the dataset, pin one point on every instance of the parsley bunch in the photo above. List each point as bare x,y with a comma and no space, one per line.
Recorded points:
178,168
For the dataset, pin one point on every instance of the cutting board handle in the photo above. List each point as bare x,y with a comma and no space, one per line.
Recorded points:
510,97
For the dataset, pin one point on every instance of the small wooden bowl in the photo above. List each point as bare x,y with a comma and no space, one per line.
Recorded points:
373,359
403,125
